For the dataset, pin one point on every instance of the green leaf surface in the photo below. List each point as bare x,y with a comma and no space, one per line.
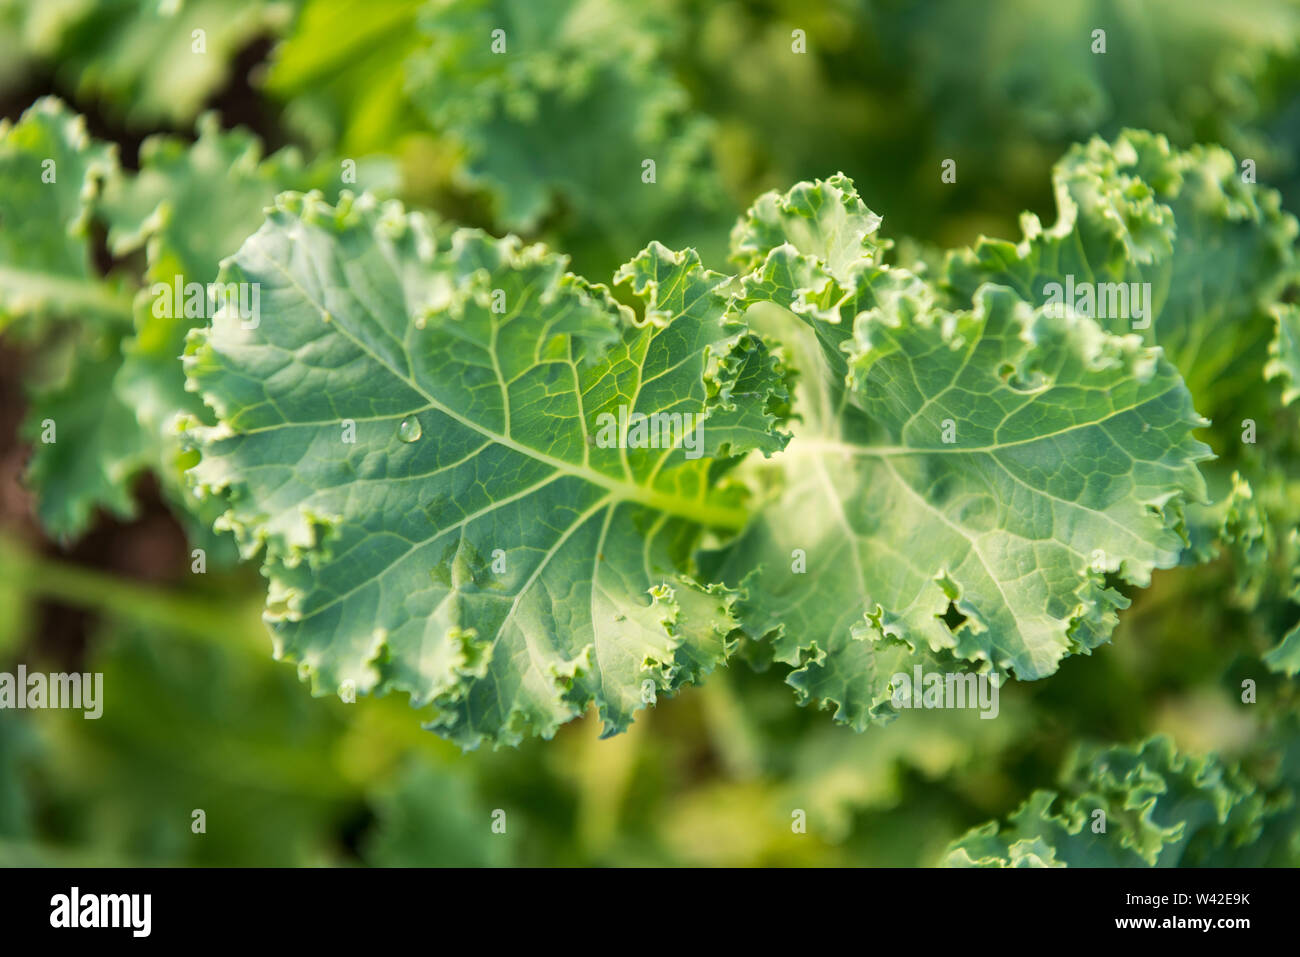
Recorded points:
996,462
50,175
1216,252
189,206
559,104
1131,806
473,542
341,72
1284,658
148,61
113,397
1219,256
86,444
1284,352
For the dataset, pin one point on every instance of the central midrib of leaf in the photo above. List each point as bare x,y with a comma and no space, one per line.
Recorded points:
692,509
813,445
705,513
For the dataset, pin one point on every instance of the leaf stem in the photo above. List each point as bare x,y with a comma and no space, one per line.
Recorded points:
71,294
185,613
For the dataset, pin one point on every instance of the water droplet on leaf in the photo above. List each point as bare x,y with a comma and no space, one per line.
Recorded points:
409,430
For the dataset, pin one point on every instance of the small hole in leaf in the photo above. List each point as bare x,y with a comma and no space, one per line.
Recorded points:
952,617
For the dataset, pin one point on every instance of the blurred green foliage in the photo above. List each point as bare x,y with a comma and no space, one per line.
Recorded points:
198,716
